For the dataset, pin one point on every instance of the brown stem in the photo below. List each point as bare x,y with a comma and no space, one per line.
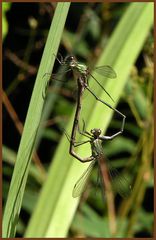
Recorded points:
109,193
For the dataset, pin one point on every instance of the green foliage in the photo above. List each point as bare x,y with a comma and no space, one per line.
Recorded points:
65,169
53,210
5,8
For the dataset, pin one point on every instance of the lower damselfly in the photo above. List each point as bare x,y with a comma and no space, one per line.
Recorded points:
109,175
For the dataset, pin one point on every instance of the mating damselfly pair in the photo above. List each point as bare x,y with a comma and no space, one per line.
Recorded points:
82,73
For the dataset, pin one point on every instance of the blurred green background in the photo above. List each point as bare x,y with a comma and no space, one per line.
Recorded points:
87,32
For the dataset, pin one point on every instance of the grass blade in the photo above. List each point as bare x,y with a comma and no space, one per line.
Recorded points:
19,178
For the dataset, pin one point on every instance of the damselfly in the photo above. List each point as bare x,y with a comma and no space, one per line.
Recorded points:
110,177
82,73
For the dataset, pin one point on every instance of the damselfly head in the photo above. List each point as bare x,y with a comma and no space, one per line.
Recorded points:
70,60
96,132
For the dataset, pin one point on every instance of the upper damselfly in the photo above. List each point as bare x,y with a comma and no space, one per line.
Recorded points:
82,74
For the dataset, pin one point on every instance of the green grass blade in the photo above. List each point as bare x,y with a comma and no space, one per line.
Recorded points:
21,169
56,207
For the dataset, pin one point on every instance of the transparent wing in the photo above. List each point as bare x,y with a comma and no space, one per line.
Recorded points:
82,181
58,76
120,182
101,87
106,71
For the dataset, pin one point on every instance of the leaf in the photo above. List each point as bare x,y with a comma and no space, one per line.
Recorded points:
21,170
